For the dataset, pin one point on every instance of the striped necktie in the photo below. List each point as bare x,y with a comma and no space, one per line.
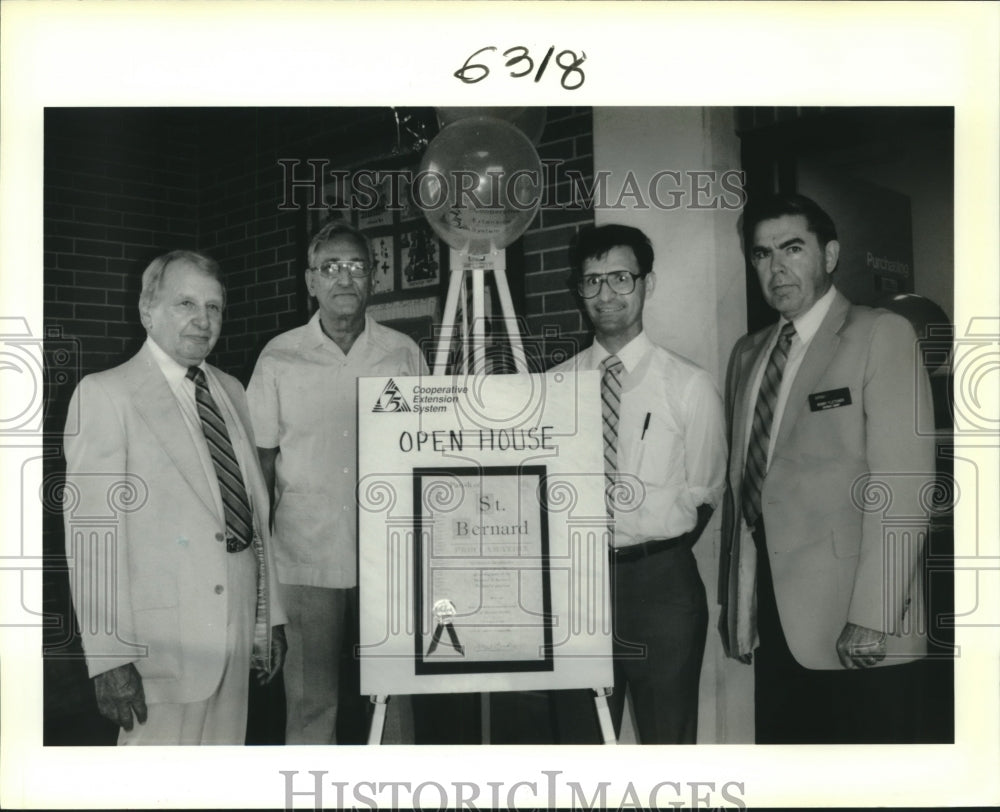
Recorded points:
760,430
239,520
611,401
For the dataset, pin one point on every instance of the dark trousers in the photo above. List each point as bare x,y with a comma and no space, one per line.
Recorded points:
660,617
796,705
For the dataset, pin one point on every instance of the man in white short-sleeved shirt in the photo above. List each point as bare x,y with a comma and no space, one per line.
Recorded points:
303,403
666,475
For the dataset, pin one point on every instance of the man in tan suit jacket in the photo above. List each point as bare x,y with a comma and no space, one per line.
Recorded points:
818,573
172,616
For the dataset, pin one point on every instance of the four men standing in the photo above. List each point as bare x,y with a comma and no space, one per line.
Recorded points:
812,585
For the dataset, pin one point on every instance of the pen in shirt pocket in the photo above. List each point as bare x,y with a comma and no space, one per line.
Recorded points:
645,425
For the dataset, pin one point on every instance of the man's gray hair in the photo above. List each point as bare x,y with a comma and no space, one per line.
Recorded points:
329,232
152,277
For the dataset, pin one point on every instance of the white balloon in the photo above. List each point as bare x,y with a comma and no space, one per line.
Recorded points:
480,184
529,120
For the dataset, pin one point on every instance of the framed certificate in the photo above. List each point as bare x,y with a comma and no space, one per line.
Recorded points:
483,582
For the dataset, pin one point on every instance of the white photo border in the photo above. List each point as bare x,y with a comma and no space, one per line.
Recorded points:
341,54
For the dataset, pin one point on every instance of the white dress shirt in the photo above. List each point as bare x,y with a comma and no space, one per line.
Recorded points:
184,389
806,326
680,456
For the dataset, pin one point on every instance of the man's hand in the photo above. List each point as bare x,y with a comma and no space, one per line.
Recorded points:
119,692
860,647
278,648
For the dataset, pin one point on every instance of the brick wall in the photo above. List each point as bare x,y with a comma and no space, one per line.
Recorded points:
241,224
122,186
554,320
119,189
254,242
260,246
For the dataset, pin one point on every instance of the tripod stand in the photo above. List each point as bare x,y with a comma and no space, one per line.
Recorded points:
475,267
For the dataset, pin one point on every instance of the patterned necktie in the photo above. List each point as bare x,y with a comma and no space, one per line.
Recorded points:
760,430
239,520
611,401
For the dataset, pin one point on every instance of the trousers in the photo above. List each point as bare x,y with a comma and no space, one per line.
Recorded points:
796,705
660,621
322,693
222,717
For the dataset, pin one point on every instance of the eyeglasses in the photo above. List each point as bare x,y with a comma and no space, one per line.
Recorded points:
621,282
333,268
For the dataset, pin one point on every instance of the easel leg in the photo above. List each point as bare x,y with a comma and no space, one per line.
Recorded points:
475,361
378,719
448,319
478,321
604,715
510,318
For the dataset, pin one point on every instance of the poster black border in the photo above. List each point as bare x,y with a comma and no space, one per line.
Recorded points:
547,661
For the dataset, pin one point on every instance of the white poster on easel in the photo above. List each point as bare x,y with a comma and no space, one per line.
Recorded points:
483,541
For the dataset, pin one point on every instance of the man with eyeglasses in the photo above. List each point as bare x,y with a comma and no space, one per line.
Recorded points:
665,464
303,404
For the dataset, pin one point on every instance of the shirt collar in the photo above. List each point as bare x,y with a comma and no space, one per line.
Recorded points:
320,339
630,355
808,323
175,373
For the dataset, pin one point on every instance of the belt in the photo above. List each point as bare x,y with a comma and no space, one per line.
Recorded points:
635,552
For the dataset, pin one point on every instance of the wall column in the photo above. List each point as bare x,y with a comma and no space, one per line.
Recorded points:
698,308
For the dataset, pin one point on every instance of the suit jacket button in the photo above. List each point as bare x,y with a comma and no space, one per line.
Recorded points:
220,537
219,589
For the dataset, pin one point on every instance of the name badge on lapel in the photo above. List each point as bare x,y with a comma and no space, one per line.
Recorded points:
831,399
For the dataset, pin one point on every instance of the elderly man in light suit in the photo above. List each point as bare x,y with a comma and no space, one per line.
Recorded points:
820,408
177,600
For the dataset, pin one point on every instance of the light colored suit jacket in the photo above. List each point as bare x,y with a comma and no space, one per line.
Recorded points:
845,499
147,568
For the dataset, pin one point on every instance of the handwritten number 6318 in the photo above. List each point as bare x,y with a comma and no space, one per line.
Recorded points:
521,64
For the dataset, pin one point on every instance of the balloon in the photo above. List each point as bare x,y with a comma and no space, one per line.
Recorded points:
449,115
479,184
529,120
